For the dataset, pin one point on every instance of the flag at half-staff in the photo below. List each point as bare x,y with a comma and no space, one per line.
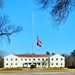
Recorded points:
39,43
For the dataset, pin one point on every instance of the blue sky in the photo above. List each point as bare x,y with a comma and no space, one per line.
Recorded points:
55,41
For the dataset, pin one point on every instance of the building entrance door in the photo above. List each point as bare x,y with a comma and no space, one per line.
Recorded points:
33,65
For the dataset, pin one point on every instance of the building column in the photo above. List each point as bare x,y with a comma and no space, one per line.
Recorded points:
48,62
40,64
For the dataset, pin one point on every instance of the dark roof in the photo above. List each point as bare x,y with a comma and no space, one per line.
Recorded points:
32,55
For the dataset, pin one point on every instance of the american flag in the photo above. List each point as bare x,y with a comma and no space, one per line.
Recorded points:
39,43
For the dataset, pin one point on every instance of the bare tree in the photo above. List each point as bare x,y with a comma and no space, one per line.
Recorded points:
53,53
2,54
70,59
73,53
59,9
1,3
47,53
7,28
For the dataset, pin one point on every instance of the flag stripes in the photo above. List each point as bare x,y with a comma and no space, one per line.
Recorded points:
39,43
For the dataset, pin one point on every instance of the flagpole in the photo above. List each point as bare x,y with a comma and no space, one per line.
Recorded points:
32,31
32,37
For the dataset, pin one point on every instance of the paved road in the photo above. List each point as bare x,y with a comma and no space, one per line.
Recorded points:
51,73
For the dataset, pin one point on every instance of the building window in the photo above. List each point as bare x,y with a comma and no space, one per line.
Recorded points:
29,59
6,63
29,63
52,59
56,58
42,58
21,59
15,63
42,63
56,63
61,59
11,59
38,63
61,63
16,59
52,63
25,59
25,63
38,59
11,63
46,59
7,59
34,59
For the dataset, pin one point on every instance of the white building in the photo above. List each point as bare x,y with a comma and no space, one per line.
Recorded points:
39,60
57,61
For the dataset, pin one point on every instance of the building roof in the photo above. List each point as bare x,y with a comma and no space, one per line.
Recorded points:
32,55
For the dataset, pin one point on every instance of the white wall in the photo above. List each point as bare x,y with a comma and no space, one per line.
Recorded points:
58,61
11,63
21,60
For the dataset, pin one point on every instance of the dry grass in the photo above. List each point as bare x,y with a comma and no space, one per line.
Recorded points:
20,70
34,70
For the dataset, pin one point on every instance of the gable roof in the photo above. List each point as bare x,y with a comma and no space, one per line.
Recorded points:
56,55
11,55
32,55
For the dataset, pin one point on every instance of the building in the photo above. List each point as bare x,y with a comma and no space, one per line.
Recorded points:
38,60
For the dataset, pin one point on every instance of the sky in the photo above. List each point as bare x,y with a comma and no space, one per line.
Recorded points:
61,41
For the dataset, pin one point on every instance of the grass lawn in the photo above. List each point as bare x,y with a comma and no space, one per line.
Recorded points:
20,70
34,70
